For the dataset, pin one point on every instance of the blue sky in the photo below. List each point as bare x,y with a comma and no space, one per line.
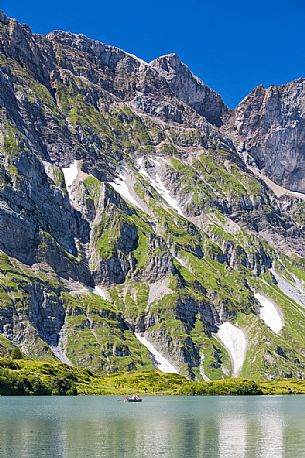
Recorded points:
232,45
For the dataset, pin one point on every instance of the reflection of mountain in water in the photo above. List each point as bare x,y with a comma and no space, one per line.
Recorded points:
222,427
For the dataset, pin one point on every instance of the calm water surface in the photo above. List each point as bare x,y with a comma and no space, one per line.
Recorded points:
176,426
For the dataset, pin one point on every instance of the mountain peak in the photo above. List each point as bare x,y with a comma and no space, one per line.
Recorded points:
190,89
3,18
172,58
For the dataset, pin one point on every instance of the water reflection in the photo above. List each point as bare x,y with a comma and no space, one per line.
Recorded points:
232,436
177,427
271,440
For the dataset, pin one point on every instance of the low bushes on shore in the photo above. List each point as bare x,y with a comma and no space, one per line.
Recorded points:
32,377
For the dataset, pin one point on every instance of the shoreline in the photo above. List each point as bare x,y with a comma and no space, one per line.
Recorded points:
28,377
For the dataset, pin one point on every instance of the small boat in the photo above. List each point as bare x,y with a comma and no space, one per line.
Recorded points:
133,398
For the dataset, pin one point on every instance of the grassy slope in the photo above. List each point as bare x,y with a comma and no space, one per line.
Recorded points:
28,377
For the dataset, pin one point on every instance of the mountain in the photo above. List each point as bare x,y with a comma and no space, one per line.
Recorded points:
190,89
143,223
269,126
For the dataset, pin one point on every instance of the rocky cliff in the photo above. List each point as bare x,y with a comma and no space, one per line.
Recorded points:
142,222
268,125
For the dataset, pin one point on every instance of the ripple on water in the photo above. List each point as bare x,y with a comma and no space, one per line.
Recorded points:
164,426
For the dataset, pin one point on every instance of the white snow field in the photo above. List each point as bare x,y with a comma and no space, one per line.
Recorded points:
103,293
124,187
269,313
159,186
162,364
100,292
235,342
70,174
201,370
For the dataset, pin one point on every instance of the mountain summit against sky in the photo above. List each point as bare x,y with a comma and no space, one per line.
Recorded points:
142,222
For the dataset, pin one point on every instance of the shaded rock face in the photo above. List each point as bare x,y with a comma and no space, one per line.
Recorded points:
47,314
31,206
269,124
42,319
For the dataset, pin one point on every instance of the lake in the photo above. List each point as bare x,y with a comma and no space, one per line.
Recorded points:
167,426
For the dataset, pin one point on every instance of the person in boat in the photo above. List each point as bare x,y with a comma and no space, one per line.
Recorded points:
134,397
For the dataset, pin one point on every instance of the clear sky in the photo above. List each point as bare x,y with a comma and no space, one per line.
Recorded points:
232,45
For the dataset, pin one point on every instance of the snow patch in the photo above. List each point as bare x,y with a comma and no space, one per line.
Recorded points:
235,341
70,174
159,186
201,369
269,313
100,292
181,261
162,363
59,350
124,187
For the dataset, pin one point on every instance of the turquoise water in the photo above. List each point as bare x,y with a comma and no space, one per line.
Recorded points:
164,427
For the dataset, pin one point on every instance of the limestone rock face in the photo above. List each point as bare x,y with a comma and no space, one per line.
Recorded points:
132,200
187,87
269,125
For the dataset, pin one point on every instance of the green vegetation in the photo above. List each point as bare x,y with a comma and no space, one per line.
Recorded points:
97,336
233,387
28,377
298,212
7,349
210,177
112,226
56,175
94,189
16,280
269,354
118,128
